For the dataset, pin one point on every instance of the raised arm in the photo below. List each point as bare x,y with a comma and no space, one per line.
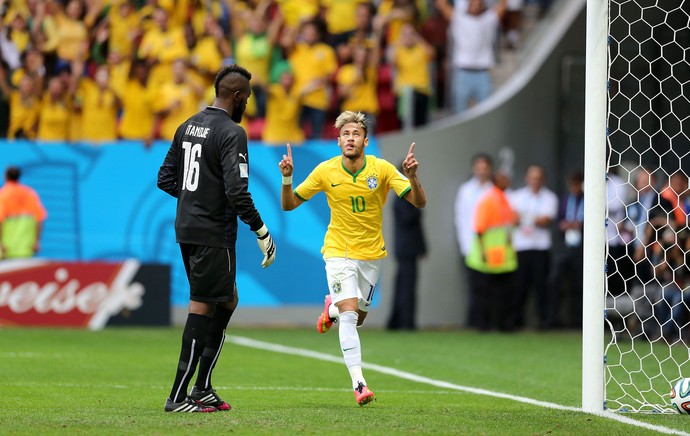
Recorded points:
416,196
445,8
288,199
500,8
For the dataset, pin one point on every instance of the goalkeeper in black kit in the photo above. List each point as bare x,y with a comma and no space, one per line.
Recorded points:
207,170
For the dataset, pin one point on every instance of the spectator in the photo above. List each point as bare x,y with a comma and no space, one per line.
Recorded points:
177,100
21,218
512,23
297,12
666,250
492,256
98,48
25,107
283,110
71,29
124,25
199,12
255,44
161,45
43,31
363,32
119,69
566,276
17,33
648,208
357,83
54,120
410,246
396,14
33,66
137,120
474,28
313,64
536,207
5,96
98,105
210,51
675,191
619,265
339,16
412,58
466,200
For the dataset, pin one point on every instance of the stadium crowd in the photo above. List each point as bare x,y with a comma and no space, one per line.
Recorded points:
102,70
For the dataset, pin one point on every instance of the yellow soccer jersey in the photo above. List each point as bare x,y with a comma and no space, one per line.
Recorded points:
311,63
137,111
356,202
99,113
282,117
412,66
362,96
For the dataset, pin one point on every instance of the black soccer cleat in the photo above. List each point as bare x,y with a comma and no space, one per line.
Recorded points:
187,405
209,398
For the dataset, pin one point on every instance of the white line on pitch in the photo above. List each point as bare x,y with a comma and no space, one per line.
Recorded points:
247,342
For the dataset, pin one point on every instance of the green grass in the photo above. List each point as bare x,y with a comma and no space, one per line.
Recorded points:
115,382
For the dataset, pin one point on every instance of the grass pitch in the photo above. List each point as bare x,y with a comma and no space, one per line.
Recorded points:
115,382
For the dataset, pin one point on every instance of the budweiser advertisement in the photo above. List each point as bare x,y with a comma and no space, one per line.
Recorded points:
36,292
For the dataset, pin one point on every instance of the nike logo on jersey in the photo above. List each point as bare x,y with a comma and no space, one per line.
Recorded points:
333,185
348,349
243,156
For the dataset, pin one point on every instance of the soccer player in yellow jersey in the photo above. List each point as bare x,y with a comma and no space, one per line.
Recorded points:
356,187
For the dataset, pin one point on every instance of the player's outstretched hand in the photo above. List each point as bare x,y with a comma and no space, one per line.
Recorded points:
285,165
268,248
410,164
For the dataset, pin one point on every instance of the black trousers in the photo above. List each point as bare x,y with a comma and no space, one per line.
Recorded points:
475,293
565,282
404,308
492,304
532,274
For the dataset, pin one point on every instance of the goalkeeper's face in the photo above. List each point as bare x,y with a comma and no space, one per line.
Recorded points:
352,140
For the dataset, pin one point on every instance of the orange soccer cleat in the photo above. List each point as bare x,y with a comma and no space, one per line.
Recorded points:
363,395
325,321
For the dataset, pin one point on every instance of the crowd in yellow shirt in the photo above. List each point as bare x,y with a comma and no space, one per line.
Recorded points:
98,71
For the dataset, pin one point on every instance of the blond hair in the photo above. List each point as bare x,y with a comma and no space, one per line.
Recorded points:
348,117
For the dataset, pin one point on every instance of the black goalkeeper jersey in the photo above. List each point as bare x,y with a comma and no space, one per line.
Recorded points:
207,170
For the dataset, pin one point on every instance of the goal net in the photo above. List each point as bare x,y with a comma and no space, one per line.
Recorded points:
647,286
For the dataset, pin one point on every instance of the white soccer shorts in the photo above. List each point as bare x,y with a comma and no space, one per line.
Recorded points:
350,278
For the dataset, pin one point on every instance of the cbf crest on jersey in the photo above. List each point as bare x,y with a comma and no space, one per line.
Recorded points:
336,286
372,182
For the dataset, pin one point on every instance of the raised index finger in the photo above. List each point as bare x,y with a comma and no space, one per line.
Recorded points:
289,151
411,149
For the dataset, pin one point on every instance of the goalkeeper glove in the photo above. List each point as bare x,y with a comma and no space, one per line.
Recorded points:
268,248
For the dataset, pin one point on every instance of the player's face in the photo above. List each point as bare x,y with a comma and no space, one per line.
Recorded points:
240,103
352,140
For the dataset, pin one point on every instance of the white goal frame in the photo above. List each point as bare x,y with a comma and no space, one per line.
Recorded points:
594,237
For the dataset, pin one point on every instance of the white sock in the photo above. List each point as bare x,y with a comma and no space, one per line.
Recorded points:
333,311
349,344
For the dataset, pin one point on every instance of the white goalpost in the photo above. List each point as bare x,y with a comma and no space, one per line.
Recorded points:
636,295
594,241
